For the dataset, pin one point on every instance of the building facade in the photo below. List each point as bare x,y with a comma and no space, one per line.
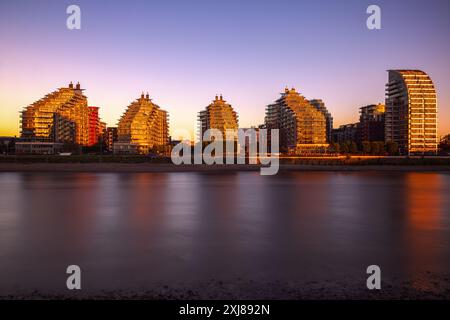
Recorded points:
320,105
218,115
302,127
94,126
347,133
142,128
109,138
371,122
39,147
411,112
61,116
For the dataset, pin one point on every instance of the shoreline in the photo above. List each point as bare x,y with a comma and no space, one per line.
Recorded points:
347,288
165,167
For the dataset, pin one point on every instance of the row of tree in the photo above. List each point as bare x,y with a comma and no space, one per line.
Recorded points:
366,147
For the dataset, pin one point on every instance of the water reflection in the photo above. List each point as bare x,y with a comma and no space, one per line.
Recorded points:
134,230
425,200
425,210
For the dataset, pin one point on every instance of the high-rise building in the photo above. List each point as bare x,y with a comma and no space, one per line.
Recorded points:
411,112
302,126
143,127
94,126
102,128
320,105
61,116
109,138
371,122
218,115
102,133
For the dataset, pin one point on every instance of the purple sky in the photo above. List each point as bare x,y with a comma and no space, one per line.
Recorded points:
185,52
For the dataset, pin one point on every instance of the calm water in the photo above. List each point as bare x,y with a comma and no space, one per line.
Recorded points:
129,231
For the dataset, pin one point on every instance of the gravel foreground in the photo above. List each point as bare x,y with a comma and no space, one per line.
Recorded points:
424,287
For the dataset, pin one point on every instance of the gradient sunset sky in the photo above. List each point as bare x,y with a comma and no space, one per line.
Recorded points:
185,52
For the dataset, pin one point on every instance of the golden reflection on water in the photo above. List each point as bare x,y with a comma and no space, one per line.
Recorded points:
424,206
424,201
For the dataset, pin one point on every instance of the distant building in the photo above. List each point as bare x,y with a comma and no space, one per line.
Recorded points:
142,128
371,122
61,116
411,112
109,138
218,115
320,105
101,134
102,129
47,148
346,133
303,128
128,148
7,145
252,136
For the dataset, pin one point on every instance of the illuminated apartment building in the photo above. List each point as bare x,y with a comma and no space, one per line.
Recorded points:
303,128
61,116
320,105
94,126
411,112
101,129
142,128
218,115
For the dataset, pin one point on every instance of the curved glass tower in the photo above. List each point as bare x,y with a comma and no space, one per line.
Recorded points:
411,112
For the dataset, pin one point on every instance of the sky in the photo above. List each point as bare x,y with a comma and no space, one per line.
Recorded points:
185,52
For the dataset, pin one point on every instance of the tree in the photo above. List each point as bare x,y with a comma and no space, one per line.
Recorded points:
444,145
345,147
375,148
382,147
392,148
353,147
366,147
96,148
335,147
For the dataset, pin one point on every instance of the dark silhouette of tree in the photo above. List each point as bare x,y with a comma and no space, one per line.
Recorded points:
366,149
392,148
